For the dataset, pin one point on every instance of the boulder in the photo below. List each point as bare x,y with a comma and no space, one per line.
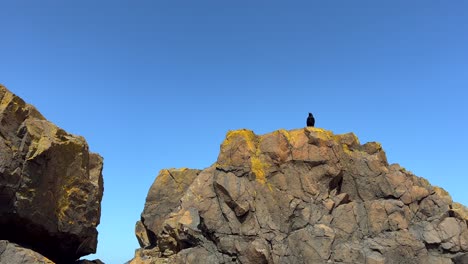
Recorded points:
12,253
299,196
51,186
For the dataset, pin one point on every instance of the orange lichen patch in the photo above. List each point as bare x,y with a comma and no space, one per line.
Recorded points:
186,218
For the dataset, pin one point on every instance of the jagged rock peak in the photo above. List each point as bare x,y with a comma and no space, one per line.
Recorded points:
51,186
299,196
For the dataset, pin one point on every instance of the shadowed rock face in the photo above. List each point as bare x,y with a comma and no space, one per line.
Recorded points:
51,186
300,196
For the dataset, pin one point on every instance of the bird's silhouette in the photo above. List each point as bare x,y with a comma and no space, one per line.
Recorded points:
310,120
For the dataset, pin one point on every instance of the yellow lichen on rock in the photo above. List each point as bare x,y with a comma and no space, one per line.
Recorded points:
294,137
322,133
163,176
237,148
241,148
6,101
64,201
258,168
41,138
346,149
248,136
291,136
180,169
38,147
175,175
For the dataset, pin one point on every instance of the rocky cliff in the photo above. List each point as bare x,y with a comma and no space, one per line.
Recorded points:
51,188
300,196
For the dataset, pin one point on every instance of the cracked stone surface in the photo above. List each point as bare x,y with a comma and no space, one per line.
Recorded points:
299,196
51,186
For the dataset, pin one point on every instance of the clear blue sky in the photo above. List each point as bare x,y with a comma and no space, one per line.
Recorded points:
157,84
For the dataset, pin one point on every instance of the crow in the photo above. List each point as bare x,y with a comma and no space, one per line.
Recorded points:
310,120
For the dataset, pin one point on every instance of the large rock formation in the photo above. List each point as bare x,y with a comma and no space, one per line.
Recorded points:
50,186
300,196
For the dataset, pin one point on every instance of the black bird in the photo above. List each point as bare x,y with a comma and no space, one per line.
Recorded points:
310,120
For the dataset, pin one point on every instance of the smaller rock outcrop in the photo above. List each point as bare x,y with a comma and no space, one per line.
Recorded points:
13,253
299,196
51,186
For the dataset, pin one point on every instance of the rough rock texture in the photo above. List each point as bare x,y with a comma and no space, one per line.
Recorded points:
13,253
51,186
300,196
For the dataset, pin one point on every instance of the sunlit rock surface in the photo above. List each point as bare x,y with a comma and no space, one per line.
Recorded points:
299,196
51,186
